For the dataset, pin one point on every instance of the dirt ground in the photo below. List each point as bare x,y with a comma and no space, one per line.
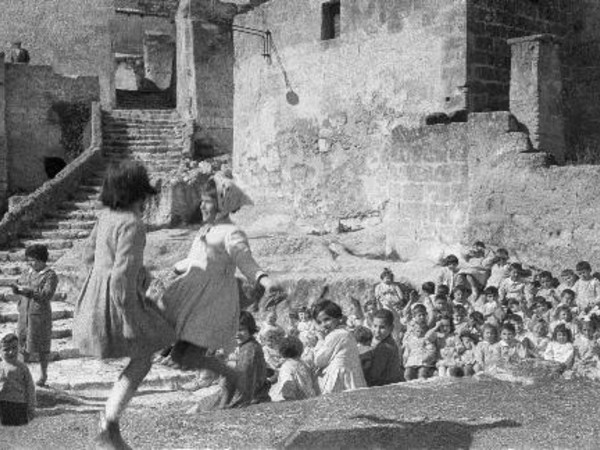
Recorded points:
444,414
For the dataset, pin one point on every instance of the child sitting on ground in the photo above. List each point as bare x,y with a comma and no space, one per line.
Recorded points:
567,298
386,365
587,352
292,329
417,318
483,351
364,337
309,342
541,311
387,293
460,319
568,279
508,350
295,381
467,358
487,303
336,354
450,274
420,353
476,321
250,365
305,323
587,288
561,349
563,315
500,268
271,339
536,341
270,325
17,391
547,289
513,286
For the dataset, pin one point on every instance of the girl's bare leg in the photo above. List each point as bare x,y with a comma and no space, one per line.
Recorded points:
44,358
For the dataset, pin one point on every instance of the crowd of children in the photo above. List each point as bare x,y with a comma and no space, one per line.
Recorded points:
481,316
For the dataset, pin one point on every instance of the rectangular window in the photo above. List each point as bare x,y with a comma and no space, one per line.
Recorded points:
331,20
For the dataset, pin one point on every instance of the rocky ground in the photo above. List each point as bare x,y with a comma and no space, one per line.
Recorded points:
441,413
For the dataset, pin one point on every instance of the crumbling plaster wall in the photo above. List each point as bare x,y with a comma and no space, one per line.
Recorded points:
72,36
325,159
33,126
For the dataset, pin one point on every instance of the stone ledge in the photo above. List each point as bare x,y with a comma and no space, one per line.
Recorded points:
535,38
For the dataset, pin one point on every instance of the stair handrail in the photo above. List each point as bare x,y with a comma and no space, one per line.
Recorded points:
45,198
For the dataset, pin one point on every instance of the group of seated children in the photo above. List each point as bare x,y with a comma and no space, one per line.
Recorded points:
478,318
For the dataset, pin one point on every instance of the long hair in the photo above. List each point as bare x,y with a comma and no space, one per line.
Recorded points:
125,184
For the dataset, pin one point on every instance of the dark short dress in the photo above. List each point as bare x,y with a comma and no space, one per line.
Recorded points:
34,327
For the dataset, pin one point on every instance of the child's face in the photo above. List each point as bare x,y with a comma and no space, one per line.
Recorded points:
584,274
562,337
370,309
35,264
311,341
421,330
445,326
569,279
546,282
563,315
490,298
453,267
489,335
567,299
515,307
507,335
513,274
467,342
518,325
9,351
420,316
539,330
303,316
587,330
242,335
327,323
388,279
381,330
439,303
459,317
208,208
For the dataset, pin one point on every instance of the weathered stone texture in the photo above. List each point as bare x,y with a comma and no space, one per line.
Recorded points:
32,123
326,156
72,36
489,24
536,92
159,55
3,143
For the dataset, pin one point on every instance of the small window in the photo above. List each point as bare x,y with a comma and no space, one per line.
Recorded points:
331,20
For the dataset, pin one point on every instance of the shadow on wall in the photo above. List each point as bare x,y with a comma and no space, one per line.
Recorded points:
393,434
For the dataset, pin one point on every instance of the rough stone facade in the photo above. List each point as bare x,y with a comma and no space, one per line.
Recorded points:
353,91
72,36
34,97
351,147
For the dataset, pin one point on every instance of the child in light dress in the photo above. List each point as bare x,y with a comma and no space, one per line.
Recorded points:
483,351
513,286
295,380
336,355
547,289
487,303
536,341
420,353
500,268
17,391
387,293
587,352
561,349
586,288
568,279
564,315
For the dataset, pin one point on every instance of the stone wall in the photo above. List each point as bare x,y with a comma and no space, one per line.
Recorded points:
3,143
489,24
72,36
129,31
394,63
35,98
33,207
545,215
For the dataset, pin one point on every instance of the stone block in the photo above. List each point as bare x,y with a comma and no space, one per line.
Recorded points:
420,173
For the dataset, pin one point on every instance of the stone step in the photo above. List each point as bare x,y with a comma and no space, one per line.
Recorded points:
76,214
141,122
125,142
36,233
142,149
148,158
51,244
61,328
53,224
82,205
9,312
18,255
135,132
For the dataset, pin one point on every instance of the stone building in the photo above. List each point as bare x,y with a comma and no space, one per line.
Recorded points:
354,149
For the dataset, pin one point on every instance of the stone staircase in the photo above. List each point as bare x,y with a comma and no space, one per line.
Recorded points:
153,137
150,136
